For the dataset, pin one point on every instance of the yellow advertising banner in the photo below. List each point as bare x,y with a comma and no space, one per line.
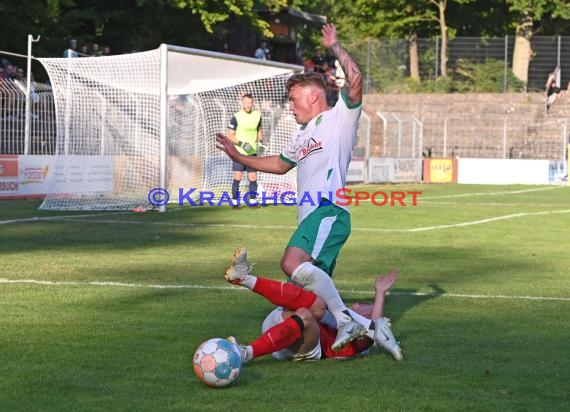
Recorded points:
440,170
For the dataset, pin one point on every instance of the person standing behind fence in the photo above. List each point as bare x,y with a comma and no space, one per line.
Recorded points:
245,133
262,52
71,50
552,88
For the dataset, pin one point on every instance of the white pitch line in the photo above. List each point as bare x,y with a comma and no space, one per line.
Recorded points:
505,192
237,288
140,222
488,220
40,219
244,226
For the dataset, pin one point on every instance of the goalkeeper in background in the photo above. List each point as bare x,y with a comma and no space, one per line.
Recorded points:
244,132
320,150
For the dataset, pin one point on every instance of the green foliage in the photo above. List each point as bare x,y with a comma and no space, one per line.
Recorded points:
537,9
488,77
214,12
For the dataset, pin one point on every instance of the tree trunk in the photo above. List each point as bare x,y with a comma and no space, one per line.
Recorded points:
523,53
442,4
414,57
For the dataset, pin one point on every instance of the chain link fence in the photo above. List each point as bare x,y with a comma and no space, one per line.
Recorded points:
474,64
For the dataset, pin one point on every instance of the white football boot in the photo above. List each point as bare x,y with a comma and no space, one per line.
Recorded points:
245,356
384,338
239,266
347,332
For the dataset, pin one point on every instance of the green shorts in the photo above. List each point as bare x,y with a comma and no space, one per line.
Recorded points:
322,234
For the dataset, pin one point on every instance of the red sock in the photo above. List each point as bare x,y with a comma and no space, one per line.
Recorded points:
277,337
288,295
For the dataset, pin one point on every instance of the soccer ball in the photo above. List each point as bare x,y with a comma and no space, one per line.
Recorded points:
217,362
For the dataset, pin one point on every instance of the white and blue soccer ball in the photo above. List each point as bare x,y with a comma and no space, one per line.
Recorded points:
217,362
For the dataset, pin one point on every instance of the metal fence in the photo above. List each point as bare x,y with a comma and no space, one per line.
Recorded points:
386,62
455,135
42,130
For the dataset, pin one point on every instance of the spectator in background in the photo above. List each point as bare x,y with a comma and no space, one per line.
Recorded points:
552,88
330,82
106,51
319,62
84,51
262,52
9,70
95,51
71,50
20,75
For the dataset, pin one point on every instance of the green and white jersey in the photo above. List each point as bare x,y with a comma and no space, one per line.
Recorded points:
321,151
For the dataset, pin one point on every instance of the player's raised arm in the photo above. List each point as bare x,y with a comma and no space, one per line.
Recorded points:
353,84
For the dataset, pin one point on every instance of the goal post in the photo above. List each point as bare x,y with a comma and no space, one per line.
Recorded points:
128,124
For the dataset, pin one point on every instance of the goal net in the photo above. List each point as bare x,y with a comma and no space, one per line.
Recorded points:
131,125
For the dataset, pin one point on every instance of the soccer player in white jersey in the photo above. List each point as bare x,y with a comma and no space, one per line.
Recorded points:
321,150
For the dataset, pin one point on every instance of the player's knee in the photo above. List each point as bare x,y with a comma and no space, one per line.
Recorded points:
318,308
292,258
305,316
288,264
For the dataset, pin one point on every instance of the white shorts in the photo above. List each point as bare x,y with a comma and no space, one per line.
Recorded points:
276,317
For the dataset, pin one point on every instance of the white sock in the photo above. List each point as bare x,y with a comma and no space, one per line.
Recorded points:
249,281
312,278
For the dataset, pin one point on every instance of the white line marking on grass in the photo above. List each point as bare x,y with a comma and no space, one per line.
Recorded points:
112,284
238,288
490,204
505,192
357,229
47,218
143,222
491,219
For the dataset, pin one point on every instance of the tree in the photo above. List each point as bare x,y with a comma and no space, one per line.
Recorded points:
125,24
373,19
443,29
214,12
409,20
529,14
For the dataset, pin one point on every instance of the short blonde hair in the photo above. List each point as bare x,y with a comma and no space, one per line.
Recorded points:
306,79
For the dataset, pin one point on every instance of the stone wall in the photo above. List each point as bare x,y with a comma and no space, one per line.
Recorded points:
476,125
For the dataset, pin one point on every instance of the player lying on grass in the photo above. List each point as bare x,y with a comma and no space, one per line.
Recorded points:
301,328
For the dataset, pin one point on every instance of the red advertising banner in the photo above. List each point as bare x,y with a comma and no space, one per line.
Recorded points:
8,174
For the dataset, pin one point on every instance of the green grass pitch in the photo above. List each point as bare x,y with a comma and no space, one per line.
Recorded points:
102,311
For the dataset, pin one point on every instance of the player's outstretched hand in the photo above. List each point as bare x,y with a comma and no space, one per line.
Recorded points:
329,35
384,283
224,144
